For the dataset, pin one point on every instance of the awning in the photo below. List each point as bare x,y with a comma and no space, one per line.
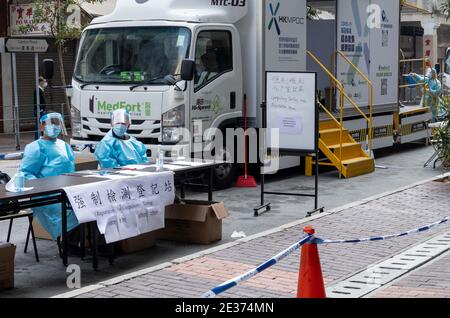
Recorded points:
413,8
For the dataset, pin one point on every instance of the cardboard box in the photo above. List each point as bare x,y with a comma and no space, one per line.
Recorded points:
40,232
196,222
7,255
85,162
138,243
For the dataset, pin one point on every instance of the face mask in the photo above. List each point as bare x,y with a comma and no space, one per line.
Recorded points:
120,129
52,131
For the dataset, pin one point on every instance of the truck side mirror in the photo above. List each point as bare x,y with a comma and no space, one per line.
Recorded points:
187,70
49,69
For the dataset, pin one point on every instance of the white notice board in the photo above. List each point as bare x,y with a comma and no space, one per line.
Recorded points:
292,112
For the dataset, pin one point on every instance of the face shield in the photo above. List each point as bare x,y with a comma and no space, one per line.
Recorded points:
121,116
53,125
120,121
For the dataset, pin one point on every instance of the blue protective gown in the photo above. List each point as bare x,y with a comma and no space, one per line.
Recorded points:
114,152
46,158
429,100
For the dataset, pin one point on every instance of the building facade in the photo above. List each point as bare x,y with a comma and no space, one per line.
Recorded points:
14,13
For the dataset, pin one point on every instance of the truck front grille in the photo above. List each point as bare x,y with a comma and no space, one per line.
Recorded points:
133,121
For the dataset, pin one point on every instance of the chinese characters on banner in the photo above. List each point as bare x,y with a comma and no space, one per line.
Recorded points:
24,15
124,208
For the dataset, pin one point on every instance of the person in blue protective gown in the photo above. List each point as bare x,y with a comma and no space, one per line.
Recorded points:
117,148
49,157
433,95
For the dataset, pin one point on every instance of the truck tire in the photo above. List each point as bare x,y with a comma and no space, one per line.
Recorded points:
225,176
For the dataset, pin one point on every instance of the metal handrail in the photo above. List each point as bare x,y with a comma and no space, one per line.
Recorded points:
327,111
414,60
370,84
353,65
410,85
342,93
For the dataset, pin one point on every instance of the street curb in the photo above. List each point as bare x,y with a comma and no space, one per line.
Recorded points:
119,279
79,292
122,278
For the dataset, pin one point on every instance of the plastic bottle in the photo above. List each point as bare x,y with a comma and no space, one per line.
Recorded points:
159,159
19,181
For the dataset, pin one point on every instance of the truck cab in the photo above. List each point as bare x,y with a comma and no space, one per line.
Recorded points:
133,59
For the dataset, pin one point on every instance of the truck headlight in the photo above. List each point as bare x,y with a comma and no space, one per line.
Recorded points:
172,123
174,117
75,122
171,135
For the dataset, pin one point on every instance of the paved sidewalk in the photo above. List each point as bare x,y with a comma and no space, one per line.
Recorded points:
403,210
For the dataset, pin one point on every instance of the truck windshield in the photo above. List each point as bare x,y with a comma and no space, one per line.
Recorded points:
131,55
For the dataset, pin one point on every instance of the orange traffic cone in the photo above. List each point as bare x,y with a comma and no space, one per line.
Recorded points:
310,279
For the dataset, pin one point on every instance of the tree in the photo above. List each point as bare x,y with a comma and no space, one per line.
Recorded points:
445,8
60,15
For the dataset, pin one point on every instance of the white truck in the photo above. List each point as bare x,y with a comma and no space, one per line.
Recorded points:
124,59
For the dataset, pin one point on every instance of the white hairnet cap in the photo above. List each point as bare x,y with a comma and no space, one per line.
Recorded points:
121,116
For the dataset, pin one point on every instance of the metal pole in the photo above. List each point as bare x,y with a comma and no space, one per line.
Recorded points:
16,102
64,237
38,100
437,98
263,164
316,190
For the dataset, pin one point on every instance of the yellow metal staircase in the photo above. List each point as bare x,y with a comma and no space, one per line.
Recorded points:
343,153
336,143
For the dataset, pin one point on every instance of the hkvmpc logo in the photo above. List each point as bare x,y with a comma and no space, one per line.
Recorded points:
279,19
274,21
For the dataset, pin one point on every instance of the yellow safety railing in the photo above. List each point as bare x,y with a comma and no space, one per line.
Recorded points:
327,111
370,87
342,96
424,84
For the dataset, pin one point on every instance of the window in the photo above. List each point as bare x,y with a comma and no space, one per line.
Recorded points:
213,56
131,55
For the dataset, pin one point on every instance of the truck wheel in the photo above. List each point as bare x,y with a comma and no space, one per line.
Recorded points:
225,175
